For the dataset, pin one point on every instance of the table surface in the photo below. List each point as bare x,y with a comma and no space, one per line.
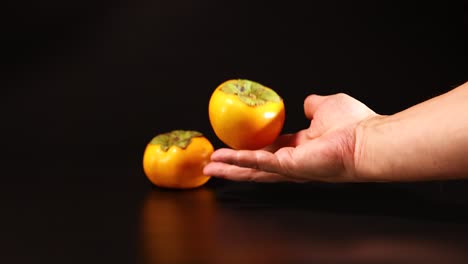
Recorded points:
85,218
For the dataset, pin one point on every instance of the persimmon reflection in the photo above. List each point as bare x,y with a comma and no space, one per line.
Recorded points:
193,227
176,226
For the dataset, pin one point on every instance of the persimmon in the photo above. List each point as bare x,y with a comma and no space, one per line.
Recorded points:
245,114
176,159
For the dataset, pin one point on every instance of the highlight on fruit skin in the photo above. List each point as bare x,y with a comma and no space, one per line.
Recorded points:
176,159
245,114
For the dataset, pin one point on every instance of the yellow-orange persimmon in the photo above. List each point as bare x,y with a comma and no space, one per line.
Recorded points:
176,159
245,114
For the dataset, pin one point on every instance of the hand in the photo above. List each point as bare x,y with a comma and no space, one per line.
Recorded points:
323,152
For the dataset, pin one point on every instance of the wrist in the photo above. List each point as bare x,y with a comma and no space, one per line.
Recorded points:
366,161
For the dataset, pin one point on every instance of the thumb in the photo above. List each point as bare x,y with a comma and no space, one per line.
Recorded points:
312,103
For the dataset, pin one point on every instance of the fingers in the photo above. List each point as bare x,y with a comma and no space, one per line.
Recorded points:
312,103
254,159
287,140
258,165
236,173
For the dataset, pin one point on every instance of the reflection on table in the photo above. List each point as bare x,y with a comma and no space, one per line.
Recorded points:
193,227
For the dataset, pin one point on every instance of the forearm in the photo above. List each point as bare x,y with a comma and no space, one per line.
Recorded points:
428,141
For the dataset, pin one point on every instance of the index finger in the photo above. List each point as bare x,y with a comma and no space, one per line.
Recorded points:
236,173
287,140
254,159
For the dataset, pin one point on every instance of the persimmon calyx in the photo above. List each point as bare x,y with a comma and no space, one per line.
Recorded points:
251,93
179,138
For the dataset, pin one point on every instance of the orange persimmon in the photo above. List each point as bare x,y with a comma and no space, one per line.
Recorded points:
245,114
176,159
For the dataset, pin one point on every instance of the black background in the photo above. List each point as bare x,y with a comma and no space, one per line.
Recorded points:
91,75
86,84
116,72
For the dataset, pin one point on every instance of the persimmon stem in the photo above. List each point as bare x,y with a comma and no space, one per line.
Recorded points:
250,92
179,138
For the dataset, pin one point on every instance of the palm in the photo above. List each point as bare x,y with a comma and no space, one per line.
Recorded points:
326,148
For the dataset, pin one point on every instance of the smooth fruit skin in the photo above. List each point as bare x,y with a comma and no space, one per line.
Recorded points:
178,168
241,126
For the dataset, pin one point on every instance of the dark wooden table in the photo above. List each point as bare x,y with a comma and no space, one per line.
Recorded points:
77,214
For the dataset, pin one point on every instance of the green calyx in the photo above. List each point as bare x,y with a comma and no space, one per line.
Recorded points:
251,93
179,138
